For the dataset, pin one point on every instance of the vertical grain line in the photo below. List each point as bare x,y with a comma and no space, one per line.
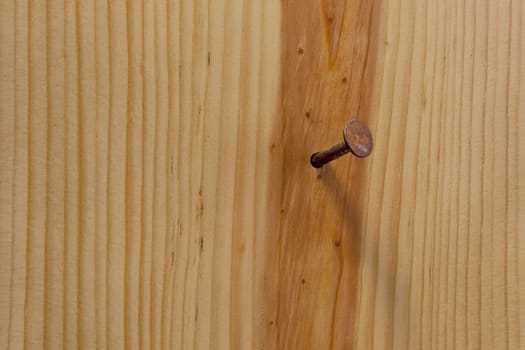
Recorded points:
102,148
167,245
414,209
469,231
257,160
458,187
493,182
483,152
171,198
29,168
482,171
159,227
231,341
227,318
456,142
434,276
179,151
448,156
383,183
507,187
65,260
202,175
366,206
395,244
110,70
13,191
438,192
367,56
80,182
453,257
126,189
430,217
47,201
167,266
484,127
517,160
143,186
154,183
185,180
405,111
332,57
235,340
96,335
445,157
108,26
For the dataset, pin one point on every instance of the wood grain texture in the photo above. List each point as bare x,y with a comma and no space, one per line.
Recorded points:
421,245
156,192
135,151
442,262
328,66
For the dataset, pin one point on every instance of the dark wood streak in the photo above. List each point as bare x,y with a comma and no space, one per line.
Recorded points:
333,15
322,206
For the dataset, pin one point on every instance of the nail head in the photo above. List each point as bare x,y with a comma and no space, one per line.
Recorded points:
358,138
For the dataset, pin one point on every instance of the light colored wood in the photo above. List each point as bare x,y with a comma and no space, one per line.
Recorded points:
135,138
155,189
443,253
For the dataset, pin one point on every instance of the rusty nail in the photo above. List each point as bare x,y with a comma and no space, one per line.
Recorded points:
357,139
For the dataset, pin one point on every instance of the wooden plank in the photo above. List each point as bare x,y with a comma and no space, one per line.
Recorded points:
436,214
328,66
156,191
127,130
439,263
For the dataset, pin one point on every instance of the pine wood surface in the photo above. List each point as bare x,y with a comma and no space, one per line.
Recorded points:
156,192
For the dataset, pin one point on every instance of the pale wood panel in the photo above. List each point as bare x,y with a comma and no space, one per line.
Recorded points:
135,137
442,250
